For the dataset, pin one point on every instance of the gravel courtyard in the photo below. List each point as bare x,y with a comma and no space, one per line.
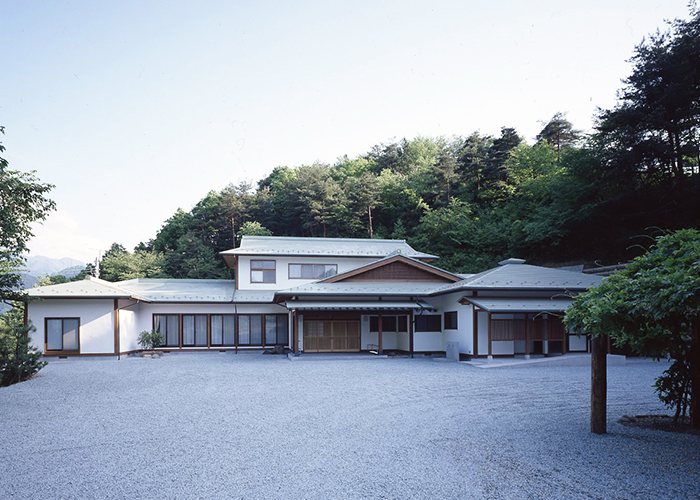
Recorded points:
211,425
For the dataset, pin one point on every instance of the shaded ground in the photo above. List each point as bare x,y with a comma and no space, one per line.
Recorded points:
212,425
660,423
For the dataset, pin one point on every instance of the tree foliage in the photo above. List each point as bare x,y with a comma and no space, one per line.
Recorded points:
22,201
18,360
653,306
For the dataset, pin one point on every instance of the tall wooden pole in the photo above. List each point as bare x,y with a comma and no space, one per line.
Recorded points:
599,384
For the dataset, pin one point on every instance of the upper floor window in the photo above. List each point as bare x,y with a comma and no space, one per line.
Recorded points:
312,271
262,271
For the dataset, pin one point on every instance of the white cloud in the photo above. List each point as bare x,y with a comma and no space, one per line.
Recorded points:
61,236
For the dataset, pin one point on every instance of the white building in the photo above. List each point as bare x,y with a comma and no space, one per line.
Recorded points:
317,295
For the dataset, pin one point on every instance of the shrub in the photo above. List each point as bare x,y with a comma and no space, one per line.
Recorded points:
18,360
150,340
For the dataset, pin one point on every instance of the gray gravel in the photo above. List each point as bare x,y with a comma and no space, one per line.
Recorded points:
210,425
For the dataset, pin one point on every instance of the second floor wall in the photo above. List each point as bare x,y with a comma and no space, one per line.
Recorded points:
279,273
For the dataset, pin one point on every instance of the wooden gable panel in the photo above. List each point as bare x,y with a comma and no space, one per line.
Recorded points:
397,271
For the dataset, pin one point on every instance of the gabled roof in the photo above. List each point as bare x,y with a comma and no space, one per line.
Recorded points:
180,290
525,277
421,269
89,288
323,247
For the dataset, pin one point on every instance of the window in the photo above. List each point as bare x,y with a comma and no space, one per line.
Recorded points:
389,323
428,323
62,334
276,329
169,326
194,329
451,320
311,271
223,329
262,271
250,329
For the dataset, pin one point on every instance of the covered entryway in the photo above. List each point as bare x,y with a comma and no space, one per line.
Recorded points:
332,336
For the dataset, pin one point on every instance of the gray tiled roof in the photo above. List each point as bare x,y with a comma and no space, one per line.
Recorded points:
180,290
525,277
324,247
520,304
90,288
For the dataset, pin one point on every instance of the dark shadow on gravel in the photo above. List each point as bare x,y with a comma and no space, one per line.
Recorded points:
660,423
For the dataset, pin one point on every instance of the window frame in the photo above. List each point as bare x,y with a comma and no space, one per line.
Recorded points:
165,335
426,316
223,336
300,277
46,335
452,315
263,270
194,333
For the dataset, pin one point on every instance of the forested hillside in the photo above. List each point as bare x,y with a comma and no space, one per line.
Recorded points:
473,200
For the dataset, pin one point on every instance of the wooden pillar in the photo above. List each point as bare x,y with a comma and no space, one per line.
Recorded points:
209,331
410,332
527,336
564,338
475,328
116,327
489,331
380,348
295,333
599,384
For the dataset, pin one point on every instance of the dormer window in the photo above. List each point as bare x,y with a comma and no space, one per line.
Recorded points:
262,271
312,271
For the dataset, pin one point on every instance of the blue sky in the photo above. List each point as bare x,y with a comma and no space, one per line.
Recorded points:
135,108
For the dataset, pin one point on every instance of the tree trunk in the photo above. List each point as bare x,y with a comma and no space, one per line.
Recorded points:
695,374
599,384
369,216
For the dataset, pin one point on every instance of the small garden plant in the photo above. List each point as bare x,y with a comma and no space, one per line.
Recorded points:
150,340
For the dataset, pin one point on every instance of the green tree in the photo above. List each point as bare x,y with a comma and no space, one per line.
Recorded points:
654,131
253,228
122,266
18,360
22,201
653,305
560,133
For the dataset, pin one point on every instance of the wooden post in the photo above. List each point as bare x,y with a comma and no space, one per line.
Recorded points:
380,349
295,333
599,384
410,332
475,328
527,336
489,331
116,327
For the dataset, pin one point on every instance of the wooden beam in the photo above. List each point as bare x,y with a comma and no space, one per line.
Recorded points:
116,327
475,328
410,333
599,384
380,348
489,331
527,335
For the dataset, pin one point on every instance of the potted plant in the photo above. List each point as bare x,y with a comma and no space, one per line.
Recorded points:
148,342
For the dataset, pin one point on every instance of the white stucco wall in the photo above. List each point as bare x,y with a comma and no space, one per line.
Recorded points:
465,324
96,322
282,270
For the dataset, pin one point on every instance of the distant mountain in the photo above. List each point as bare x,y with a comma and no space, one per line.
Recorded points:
71,272
46,266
